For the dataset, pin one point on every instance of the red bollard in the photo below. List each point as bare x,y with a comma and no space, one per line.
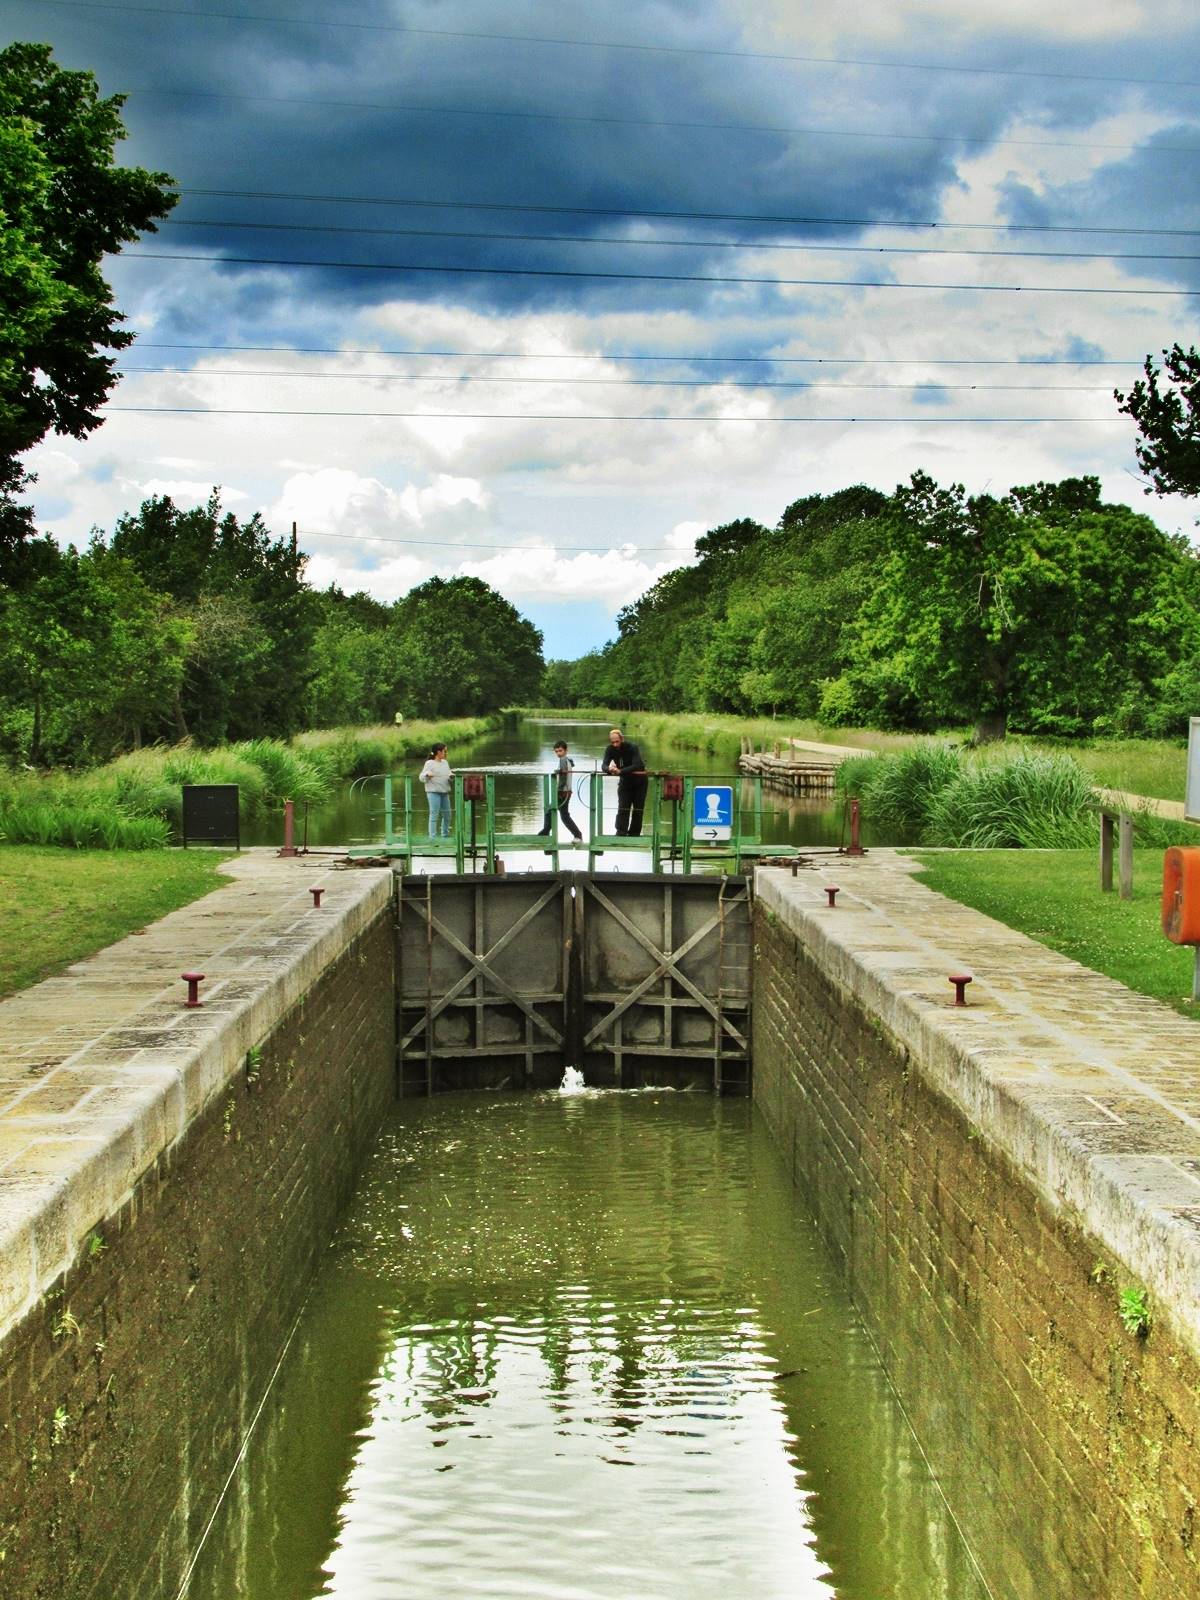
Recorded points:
316,894
193,981
289,829
832,892
960,981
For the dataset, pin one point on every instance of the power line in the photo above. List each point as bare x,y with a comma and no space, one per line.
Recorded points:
641,277
775,218
686,244
559,355
500,549
631,383
621,44
530,416
406,108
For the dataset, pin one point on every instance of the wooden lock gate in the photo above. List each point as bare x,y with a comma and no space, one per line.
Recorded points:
638,979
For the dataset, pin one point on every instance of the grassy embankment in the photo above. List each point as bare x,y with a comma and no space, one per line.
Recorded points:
1055,898
60,907
134,803
1154,767
63,904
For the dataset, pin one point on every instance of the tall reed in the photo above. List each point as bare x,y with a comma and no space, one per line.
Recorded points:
135,801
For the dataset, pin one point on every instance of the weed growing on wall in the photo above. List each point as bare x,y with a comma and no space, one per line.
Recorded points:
1133,1308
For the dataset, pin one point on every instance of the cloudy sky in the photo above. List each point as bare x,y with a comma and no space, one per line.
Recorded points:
541,292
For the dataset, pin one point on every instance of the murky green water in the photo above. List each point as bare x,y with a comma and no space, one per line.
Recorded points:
580,1348
521,752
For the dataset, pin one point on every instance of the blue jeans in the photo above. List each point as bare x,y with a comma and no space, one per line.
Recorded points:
439,815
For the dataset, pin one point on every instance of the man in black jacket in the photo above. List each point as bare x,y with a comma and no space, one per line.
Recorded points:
623,760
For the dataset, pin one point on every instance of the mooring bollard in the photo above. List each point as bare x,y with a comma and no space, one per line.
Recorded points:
832,891
193,981
316,894
960,981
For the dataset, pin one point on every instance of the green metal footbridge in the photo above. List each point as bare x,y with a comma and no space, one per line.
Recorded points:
669,834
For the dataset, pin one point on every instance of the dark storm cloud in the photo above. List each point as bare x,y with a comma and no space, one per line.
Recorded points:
346,112
1156,187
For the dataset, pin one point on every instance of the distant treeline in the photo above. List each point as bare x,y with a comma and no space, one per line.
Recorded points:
1043,611
193,624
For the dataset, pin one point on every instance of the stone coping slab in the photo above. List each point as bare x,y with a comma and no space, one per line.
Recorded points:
103,1068
1090,1090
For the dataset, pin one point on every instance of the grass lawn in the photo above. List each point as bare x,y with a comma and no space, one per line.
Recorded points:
1054,896
61,905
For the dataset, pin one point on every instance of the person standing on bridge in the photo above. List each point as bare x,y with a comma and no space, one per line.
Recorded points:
623,760
436,776
562,775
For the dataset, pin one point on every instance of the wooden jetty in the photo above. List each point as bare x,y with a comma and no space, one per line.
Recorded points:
797,771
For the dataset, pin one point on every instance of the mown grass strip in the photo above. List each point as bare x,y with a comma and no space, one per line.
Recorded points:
1054,896
62,905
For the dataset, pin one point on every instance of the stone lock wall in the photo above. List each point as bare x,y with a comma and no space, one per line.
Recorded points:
1065,1444
129,1384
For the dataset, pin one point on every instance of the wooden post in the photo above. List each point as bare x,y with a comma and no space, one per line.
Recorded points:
1106,851
1125,856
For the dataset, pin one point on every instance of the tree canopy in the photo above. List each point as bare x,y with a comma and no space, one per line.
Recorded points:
1168,417
1044,610
64,205
193,623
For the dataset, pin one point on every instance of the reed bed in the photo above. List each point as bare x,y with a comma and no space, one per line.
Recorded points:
136,801
990,799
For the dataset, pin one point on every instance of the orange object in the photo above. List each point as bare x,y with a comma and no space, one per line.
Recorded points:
1181,894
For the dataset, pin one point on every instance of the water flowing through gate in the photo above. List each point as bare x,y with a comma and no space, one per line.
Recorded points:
639,979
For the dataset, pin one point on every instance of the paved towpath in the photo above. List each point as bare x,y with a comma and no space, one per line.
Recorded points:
102,1067
1089,1089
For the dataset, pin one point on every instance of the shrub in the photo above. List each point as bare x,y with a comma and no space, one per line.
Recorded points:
901,789
1040,802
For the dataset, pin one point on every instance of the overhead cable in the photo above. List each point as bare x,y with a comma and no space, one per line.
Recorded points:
888,135
791,219
685,244
637,46
641,277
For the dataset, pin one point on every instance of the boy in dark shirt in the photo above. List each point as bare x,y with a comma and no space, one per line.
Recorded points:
562,773
623,759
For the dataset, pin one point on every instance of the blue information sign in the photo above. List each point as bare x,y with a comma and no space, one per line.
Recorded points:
712,813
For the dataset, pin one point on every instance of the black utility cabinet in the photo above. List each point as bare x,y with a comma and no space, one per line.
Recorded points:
210,814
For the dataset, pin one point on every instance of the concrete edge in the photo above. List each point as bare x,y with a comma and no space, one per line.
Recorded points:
1143,1211
92,1171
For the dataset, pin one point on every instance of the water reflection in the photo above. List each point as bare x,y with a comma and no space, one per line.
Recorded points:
581,1348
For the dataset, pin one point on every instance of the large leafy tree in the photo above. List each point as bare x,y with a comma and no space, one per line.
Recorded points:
64,205
89,656
248,610
1043,610
460,648
1166,408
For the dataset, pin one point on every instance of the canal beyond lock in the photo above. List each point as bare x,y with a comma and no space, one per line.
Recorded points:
519,754
580,1347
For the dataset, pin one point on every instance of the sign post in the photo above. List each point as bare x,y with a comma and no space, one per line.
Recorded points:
712,813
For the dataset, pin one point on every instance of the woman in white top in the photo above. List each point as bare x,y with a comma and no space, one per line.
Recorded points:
436,775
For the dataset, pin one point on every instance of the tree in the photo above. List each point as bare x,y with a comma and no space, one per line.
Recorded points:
64,205
249,614
88,655
462,649
1043,610
1168,419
